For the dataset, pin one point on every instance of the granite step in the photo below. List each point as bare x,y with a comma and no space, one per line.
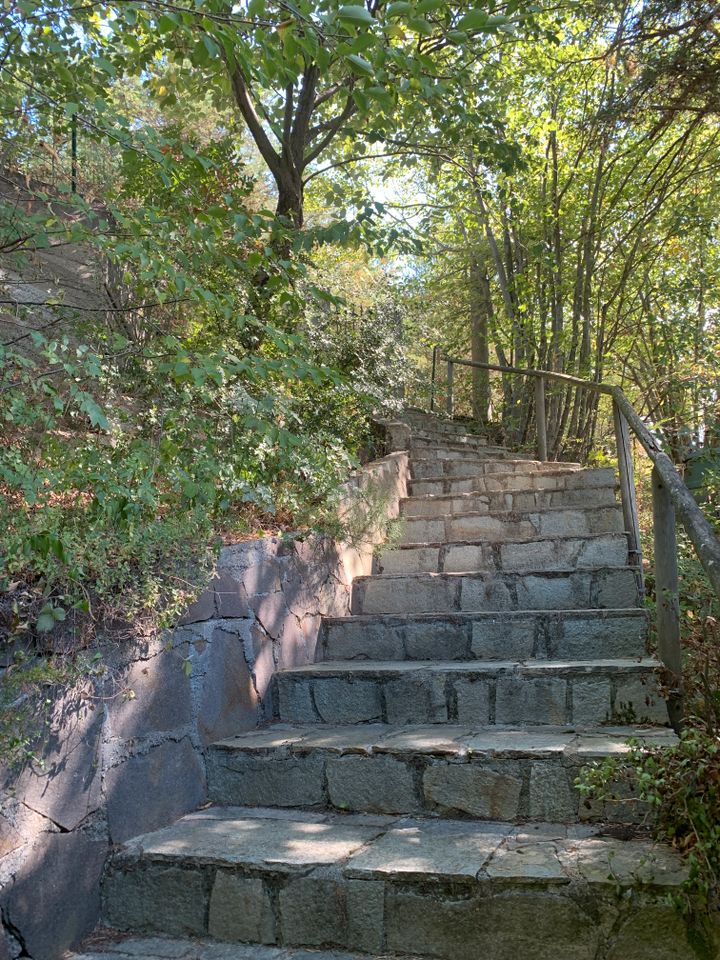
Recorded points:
121,947
459,438
512,525
510,482
502,502
493,773
485,692
451,450
541,553
446,889
593,587
511,635
429,466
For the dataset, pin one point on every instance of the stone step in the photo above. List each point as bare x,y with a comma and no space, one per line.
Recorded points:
421,419
447,889
450,450
517,501
432,467
512,525
475,691
493,773
600,588
511,635
510,482
549,553
164,948
438,438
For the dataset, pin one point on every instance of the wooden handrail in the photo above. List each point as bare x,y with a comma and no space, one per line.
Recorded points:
544,374
671,498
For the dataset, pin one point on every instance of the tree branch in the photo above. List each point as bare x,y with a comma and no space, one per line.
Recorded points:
301,124
262,141
332,127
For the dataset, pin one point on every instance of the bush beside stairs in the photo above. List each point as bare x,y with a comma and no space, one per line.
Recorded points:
415,795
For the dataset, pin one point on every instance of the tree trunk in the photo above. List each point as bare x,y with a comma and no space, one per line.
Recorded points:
480,305
290,196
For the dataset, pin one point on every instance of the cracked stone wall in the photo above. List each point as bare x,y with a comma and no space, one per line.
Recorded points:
125,752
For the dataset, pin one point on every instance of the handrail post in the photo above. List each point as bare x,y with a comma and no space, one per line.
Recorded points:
667,596
450,373
628,496
540,419
435,354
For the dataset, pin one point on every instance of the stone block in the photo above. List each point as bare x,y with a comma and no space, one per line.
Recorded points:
422,531
503,639
585,638
604,552
472,701
372,784
155,697
157,898
503,927
226,697
591,701
240,910
563,523
537,555
487,793
485,593
435,639
408,561
416,699
263,781
19,824
552,797
338,700
313,912
230,596
295,702
405,595
569,592
54,900
66,788
273,613
375,641
149,791
658,932
366,915
615,589
638,697
529,700
263,577
200,610
465,557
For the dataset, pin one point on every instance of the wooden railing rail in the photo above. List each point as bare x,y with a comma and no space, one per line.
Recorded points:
671,500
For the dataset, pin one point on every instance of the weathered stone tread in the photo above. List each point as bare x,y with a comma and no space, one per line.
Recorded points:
355,882
163,948
486,773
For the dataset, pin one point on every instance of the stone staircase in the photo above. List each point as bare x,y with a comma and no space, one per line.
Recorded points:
415,796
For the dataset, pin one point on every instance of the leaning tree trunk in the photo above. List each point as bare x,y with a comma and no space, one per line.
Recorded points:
480,305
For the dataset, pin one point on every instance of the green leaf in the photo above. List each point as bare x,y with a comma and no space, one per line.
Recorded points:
359,16
479,20
46,621
361,65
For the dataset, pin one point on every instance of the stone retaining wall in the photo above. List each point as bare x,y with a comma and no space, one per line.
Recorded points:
125,752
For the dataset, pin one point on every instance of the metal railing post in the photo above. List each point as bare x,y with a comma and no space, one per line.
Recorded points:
667,595
435,353
450,373
540,419
628,496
